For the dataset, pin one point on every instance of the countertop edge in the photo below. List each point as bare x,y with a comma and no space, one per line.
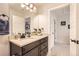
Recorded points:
13,41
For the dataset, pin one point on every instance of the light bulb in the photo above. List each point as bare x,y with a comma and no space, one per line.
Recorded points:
22,5
27,7
31,10
34,8
31,6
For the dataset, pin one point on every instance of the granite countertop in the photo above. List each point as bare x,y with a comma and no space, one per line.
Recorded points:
24,41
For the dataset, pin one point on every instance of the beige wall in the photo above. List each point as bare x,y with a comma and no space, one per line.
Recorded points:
4,44
4,8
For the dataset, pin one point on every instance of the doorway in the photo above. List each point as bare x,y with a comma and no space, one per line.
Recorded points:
60,29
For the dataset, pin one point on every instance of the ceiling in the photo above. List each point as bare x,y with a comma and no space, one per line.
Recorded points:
17,6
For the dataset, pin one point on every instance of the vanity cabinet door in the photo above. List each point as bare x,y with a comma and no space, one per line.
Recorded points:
44,52
30,46
33,52
43,46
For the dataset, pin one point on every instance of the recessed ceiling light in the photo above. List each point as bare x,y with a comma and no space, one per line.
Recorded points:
31,6
22,5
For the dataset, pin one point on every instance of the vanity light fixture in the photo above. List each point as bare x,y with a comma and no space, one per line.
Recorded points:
34,8
31,10
29,6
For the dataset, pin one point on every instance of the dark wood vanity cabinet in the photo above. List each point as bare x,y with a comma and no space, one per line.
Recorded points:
33,52
37,48
43,47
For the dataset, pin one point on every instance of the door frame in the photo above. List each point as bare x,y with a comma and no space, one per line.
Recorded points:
60,6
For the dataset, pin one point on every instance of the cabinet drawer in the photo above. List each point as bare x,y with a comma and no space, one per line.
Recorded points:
44,52
44,45
33,52
44,39
15,53
30,46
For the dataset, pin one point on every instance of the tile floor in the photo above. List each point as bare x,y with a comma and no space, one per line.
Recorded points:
61,50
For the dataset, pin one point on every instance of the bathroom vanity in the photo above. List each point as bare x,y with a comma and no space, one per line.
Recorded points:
33,46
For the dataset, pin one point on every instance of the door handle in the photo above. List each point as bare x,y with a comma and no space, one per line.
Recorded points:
75,41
